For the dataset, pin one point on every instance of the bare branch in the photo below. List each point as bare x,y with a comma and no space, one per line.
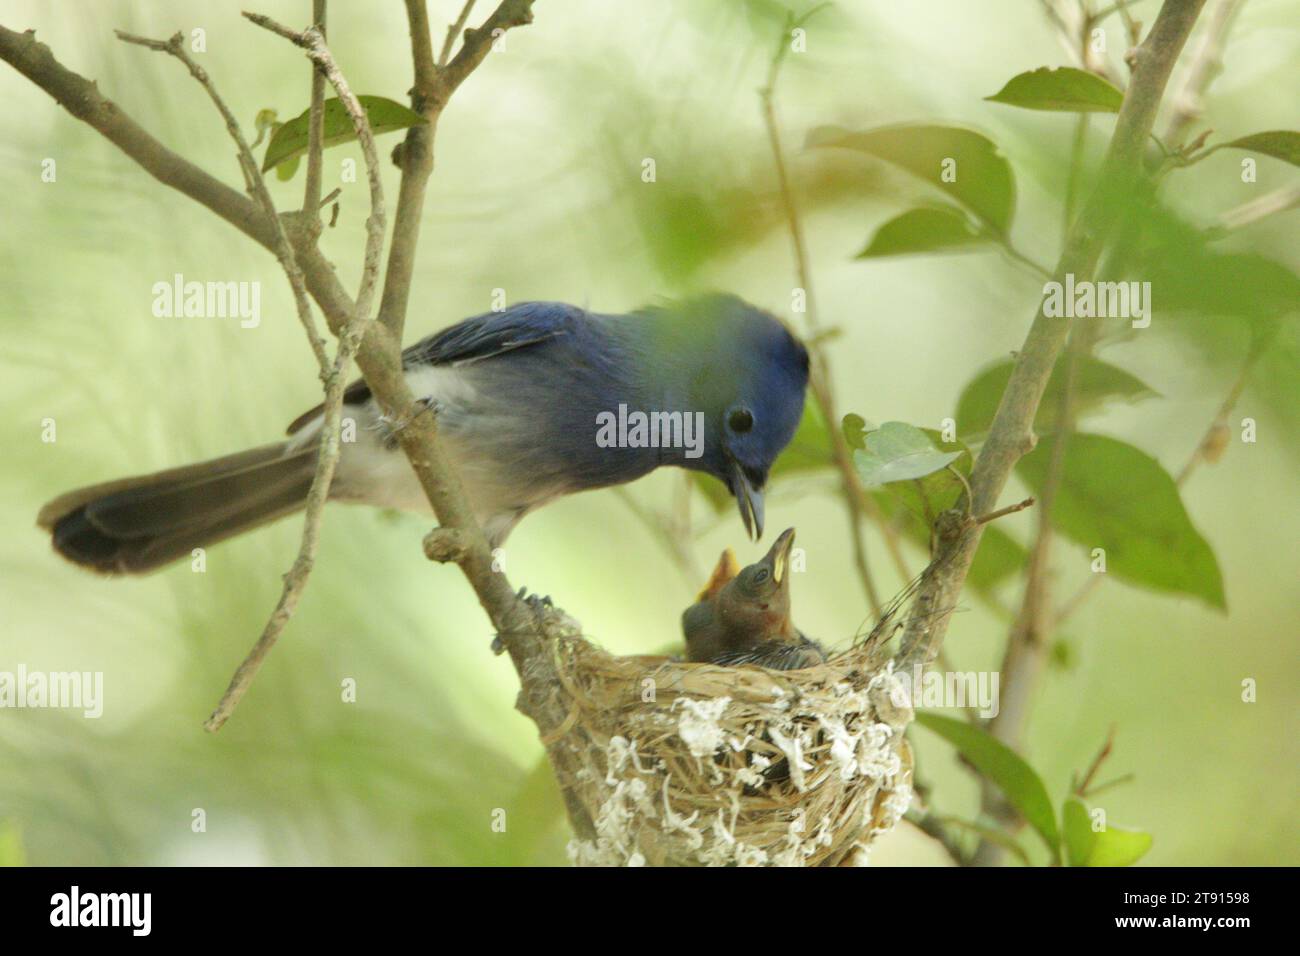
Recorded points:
1282,199
453,31
1204,64
334,375
311,201
478,42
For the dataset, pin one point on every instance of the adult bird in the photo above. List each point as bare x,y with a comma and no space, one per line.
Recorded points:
743,616
537,401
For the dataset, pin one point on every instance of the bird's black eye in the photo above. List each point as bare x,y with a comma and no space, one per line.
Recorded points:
740,420
760,575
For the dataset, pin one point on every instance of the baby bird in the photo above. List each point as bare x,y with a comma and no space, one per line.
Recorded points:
743,617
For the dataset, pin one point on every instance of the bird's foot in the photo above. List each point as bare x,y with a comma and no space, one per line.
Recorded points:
540,606
535,601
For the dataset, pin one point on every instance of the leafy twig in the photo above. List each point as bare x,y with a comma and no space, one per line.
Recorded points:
1011,434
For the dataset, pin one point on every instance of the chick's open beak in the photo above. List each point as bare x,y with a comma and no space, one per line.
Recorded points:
778,559
750,501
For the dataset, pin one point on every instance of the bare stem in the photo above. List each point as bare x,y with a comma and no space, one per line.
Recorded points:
311,201
453,31
1203,65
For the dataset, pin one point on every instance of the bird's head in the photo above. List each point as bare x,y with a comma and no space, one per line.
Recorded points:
757,599
747,374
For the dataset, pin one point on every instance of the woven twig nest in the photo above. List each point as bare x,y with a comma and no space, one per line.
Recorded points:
696,764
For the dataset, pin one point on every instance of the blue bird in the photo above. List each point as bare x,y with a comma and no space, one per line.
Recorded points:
541,400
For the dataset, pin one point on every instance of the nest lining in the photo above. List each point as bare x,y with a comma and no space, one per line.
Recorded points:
696,764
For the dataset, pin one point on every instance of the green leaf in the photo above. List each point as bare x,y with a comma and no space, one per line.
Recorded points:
1063,89
1113,846
923,230
983,181
1096,383
284,172
290,140
1117,846
1076,825
855,427
1283,144
899,452
1003,767
1116,497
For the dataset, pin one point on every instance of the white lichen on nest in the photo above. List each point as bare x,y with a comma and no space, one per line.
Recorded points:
734,767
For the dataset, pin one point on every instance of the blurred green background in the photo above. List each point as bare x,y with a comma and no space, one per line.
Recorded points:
538,192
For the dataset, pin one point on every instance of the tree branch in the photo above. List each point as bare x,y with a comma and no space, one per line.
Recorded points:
1011,434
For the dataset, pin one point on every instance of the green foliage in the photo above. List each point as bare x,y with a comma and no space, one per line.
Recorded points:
1004,768
1113,846
1119,498
1063,89
983,181
928,229
1025,790
1095,383
289,141
1283,144
897,452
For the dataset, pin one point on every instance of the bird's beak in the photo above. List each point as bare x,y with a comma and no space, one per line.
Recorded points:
778,559
750,501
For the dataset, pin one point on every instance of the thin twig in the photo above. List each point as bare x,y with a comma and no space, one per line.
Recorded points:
335,375
1279,200
453,31
253,182
1203,65
1003,512
311,201
1081,787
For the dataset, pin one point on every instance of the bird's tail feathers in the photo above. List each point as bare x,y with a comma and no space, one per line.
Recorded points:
139,524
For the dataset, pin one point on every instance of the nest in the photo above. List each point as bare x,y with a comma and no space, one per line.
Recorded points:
695,764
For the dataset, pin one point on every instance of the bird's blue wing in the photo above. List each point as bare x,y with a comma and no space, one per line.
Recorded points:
491,334
474,340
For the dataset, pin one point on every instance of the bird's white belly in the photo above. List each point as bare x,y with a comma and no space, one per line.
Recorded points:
373,470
